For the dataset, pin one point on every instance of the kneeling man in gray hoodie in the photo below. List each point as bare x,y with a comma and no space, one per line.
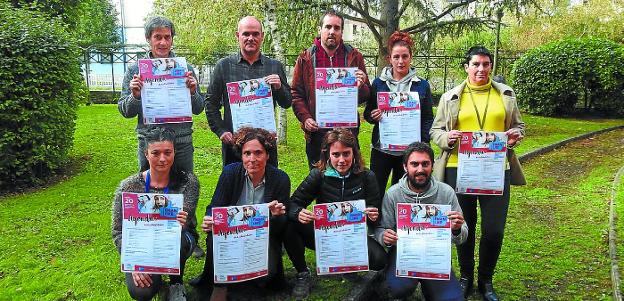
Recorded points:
419,187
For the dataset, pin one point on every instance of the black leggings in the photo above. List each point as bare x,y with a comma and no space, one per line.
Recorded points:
382,164
302,236
493,218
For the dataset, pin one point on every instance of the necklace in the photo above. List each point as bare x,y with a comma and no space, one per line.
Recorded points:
487,104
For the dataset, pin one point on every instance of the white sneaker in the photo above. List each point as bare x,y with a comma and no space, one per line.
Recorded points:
177,292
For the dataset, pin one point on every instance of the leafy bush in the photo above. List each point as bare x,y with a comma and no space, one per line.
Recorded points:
40,80
561,76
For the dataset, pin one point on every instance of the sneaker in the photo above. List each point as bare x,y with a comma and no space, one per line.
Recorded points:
302,285
198,252
466,283
177,292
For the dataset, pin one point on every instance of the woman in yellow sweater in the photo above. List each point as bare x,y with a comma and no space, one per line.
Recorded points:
479,104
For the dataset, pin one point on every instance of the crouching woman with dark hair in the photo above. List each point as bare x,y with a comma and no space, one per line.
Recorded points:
162,177
249,182
340,175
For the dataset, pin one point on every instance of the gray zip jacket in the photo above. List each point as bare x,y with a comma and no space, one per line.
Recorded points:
438,193
130,107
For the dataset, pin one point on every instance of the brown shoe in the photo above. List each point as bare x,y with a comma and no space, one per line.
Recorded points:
219,293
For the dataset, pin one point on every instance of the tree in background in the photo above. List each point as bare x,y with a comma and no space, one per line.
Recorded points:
557,20
88,21
425,19
208,27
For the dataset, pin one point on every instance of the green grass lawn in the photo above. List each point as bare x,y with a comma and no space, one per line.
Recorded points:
57,245
556,241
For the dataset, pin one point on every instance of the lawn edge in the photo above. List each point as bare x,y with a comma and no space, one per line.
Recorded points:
615,272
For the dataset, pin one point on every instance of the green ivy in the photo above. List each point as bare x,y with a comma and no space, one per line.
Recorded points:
563,76
40,80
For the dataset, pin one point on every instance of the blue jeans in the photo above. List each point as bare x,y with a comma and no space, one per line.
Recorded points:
438,290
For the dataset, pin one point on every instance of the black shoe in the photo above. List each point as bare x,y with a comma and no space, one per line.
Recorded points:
302,285
467,285
487,290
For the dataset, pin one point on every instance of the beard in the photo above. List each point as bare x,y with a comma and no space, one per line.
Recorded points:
330,44
419,185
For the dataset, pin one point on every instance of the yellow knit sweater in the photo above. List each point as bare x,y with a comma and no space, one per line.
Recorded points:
467,120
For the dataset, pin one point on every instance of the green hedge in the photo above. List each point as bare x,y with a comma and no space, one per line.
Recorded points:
563,76
41,87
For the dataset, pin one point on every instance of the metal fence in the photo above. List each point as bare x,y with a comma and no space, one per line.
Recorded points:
103,70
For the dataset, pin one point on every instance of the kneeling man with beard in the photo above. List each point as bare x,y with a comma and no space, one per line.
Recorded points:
417,186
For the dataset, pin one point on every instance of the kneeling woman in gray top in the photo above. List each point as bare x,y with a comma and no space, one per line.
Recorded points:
162,177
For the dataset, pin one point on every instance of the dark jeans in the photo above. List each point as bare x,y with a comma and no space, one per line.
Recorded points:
277,230
302,236
183,156
438,290
493,218
187,245
382,164
228,155
313,146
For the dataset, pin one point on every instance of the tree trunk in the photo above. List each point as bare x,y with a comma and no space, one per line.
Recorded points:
278,52
389,11
499,17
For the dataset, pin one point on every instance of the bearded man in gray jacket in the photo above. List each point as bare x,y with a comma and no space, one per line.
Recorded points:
418,186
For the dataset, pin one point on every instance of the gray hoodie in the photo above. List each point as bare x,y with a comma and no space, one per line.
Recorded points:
438,193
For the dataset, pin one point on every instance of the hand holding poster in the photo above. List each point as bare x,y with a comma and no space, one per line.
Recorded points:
481,167
340,237
150,239
240,242
336,97
424,244
400,124
251,103
165,98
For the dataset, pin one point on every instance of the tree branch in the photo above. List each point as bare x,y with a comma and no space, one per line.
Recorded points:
442,24
352,18
364,14
447,11
404,7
